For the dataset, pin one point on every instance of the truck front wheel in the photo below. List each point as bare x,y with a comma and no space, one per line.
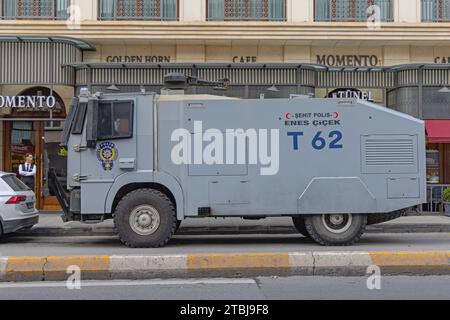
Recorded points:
336,229
299,224
145,218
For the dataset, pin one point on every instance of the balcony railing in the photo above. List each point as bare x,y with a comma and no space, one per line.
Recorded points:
351,10
246,10
34,9
436,10
138,9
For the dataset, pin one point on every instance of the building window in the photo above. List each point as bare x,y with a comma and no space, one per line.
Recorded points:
35,9
436,10
138,9
352,10
250,10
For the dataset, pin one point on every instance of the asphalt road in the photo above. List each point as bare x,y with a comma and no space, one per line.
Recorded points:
54,246
436,288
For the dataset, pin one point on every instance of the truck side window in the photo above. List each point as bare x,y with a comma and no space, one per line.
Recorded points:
80,115
115,120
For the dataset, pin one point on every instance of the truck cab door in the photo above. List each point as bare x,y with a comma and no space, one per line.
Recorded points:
72,140
110,152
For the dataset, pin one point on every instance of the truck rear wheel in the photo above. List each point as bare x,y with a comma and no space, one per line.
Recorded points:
299,224
336,229
145,218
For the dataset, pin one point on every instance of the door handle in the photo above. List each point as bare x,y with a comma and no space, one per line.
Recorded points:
79,148
127,163
78,177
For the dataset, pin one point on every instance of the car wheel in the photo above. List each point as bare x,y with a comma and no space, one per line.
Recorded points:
145,218
336,229
299,224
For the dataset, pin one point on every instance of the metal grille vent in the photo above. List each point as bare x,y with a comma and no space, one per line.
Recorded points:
389,154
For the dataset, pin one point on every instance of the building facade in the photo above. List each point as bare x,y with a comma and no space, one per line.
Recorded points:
394,52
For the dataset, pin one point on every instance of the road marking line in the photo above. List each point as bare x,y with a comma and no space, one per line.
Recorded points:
119,283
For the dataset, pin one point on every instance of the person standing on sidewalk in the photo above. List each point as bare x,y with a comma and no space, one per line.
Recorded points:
27,171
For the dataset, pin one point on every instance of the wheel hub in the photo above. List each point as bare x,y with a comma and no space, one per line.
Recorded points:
337,223
336,219
144,220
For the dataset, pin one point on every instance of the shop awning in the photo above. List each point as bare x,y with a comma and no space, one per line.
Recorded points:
438,131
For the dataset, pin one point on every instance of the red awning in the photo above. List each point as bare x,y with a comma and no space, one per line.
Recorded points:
438,131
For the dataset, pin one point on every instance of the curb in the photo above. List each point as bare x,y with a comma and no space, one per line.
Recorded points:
116,267
107,231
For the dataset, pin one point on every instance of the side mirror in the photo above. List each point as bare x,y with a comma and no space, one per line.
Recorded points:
91,125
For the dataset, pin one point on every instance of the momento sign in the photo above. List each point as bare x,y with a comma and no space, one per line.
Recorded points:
29,102
348,60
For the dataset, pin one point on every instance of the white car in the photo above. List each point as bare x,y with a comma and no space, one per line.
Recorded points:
17,205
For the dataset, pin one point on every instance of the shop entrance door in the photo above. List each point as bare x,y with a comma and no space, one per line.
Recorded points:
21,138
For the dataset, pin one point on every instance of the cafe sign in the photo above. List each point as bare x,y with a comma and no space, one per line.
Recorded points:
442,59
28,102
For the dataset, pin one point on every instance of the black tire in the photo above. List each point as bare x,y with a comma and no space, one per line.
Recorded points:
178,225
299,224
384,217
154,208
1,231
345,234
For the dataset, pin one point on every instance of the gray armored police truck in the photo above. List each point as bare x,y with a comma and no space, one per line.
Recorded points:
149,160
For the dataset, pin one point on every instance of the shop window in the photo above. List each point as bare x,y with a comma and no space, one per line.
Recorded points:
265,10
436,10
351,10
433,166
138,9
115,120
35,9
54,125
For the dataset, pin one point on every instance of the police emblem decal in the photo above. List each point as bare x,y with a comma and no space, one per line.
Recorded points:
107,154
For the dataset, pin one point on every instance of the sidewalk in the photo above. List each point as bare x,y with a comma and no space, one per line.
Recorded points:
51,225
